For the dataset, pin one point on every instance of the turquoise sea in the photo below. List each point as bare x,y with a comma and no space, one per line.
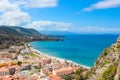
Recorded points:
83,49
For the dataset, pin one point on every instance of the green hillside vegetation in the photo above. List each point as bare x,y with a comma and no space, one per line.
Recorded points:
12,35
18,31
106,66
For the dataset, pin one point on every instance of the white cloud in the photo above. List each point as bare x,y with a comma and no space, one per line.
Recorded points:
11,10
11,13
14,18
5,5
41,3
35,3
91,29
61,26
103,4
50,26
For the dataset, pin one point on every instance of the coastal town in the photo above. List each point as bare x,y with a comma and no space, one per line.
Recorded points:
59,39
26,63
20,61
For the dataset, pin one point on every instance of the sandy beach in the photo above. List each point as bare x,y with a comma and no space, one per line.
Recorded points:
41,54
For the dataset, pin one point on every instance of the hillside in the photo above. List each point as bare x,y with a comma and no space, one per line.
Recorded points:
107,66
11,35
18,31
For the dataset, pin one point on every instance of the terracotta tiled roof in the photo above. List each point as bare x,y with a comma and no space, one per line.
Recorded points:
4,69
6,78
54,77
64,69
9,78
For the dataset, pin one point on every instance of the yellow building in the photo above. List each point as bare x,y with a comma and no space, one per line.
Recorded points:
63,71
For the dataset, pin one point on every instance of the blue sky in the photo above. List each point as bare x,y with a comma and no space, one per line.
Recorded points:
80,16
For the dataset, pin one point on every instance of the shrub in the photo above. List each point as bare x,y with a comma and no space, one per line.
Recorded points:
19,63
79,71
104,63
109,73
106,51
118,46
67,78
101,79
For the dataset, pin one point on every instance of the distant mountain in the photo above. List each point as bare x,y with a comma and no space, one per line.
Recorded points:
13,35
63,33
57,32
18,31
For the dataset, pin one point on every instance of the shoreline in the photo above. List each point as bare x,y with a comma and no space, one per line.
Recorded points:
39,53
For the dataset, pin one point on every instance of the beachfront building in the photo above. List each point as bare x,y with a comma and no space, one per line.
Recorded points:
47,70
12,70
63,71
8,70
19,77
4,71
54,77
6,54
6,78
21,58
42,63
5,60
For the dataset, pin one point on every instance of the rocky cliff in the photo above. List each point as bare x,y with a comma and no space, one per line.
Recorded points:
107,66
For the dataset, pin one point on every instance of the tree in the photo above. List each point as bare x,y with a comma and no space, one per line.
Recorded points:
78,74
79,71
109,73
19,63
67,78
